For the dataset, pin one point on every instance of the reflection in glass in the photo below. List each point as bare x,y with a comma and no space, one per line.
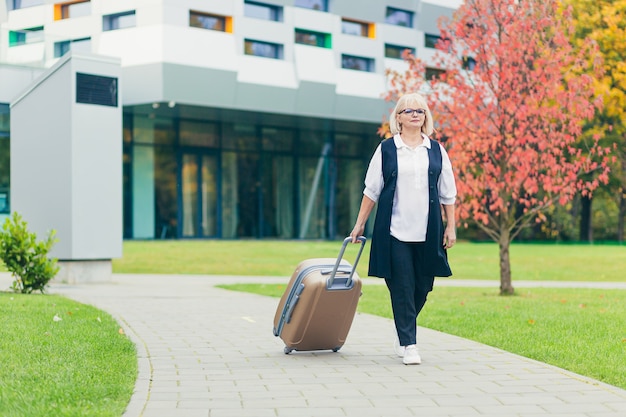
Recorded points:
313,4
230,195
350,27
193,133
264,49
399,17
278,186
262,11
209,196
207,21
189,175
165,202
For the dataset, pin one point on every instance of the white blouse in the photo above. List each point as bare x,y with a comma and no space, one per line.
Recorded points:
409,217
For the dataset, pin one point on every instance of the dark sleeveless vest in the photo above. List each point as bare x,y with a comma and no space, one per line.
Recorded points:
380,251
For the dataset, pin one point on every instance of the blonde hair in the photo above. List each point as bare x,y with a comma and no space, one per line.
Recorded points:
414,101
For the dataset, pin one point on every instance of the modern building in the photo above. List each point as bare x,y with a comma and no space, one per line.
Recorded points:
241,119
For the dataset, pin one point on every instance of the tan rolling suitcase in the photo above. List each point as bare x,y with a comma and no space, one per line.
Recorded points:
319,303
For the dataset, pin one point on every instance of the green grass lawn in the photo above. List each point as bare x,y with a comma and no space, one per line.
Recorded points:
80,365
278,258
581,330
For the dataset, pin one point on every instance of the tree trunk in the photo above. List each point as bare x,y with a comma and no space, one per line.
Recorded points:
586,232
506,286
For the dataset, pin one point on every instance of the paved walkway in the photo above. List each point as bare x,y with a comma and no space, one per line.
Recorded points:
205,351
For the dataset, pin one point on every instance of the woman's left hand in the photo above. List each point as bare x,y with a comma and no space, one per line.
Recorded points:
449,237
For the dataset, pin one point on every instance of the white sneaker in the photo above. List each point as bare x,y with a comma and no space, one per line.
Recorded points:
411,356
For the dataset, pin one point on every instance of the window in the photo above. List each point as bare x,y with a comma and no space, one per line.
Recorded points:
321,5
353,27
75,45
119,21
25,36
264,49
210,21
22,4
307,37
399,17
469,63
96,89
430,41
72,10
263,11
396,51
433,73
357,63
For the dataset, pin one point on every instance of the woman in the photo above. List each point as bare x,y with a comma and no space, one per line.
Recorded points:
410,178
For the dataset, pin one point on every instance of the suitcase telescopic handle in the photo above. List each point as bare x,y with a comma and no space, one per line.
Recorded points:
362,240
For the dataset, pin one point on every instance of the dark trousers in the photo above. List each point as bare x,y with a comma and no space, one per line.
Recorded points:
408,287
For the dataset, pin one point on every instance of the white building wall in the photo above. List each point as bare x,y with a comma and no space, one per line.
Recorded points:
66,169
163,36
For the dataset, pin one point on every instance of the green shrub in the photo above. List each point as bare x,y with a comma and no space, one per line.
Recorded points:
25,257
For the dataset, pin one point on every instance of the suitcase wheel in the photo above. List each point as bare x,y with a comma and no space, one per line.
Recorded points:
287,350
336,349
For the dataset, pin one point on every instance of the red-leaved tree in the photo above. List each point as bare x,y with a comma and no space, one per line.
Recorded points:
511,104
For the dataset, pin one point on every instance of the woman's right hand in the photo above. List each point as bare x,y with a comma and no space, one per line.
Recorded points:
356,232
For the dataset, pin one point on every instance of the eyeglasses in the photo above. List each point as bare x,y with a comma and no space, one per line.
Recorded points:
411,111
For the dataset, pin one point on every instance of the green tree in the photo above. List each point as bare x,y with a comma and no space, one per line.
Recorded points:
604,22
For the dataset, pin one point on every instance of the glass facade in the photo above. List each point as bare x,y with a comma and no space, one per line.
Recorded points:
5,167
186,177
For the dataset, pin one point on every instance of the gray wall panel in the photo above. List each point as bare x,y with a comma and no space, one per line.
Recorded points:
315,99
270,99
361,109
429,17
142,84
202,86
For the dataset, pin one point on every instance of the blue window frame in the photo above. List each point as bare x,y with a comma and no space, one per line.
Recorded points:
357,63
430,41
207,21
308,37
469,63
263,11
76,45
352,27
119,21
399,17
396,51
433,73
264,49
